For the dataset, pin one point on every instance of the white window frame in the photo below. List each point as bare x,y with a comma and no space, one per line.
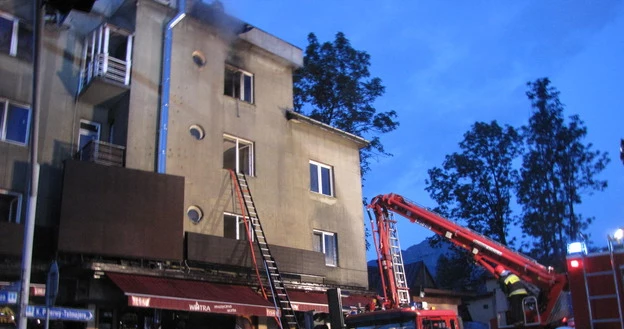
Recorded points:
85,132
13,48
320,178
239,219
14,37
3,122
323,234
241,82
251,144
18,209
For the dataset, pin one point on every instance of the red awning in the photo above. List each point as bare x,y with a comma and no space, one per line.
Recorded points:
308,301
193,296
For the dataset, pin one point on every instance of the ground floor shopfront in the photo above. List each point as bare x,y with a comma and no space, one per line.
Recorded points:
138,301
166,303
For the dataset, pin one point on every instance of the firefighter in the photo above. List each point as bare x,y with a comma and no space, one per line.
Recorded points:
515,291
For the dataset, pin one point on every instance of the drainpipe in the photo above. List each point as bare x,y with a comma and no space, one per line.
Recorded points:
166,86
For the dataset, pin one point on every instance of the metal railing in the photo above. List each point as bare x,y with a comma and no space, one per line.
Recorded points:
108,67
103,153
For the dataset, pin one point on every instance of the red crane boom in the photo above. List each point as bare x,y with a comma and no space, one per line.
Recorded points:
487,252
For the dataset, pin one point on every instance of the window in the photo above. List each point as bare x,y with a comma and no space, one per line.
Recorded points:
234,227
325,242
14,122
10,206
238,84
321,178
433,324
88,131
238,155
16,38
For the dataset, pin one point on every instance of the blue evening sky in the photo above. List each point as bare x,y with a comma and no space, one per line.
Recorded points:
447,64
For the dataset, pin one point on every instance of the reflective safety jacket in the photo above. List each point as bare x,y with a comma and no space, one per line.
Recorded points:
513,286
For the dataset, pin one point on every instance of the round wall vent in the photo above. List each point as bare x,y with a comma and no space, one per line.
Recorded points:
195,214
199,59
197,131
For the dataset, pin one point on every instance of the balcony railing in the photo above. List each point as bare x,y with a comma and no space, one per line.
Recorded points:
107,67
107,54
103,153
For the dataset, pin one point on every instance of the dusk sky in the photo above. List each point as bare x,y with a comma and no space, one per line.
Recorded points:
448,64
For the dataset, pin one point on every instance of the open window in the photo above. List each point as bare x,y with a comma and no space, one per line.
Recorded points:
10,206
234,227
238,84
16,38
238,155
89,131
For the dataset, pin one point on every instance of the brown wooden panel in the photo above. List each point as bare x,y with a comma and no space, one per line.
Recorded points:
121,212
219,250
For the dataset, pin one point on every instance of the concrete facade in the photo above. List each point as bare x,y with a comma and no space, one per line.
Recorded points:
282,148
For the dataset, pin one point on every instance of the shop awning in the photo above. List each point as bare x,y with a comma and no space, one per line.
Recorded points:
308,301
192,296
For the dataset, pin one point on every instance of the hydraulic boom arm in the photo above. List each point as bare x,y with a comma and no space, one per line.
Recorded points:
488,253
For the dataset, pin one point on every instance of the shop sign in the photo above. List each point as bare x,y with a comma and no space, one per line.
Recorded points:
200,306
8,297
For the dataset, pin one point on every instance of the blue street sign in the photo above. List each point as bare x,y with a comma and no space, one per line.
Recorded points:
8,297
52,284
59,313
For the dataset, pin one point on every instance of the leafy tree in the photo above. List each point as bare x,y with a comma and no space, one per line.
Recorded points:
556,168
475,185
334,87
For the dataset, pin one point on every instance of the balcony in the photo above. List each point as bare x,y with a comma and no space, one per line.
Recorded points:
102,153
106,64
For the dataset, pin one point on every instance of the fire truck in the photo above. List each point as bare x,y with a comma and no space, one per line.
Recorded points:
592,286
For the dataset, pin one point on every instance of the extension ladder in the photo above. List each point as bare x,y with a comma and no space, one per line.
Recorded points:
277,291
397,264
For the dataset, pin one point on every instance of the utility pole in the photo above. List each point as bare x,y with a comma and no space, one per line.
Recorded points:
29,226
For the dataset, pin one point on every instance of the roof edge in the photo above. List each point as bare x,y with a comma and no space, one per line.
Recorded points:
297,117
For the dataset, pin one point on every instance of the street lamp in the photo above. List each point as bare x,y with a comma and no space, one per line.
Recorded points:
618,235
615,240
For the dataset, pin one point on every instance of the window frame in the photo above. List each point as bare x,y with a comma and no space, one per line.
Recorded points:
239,220
83,132
241,84
319,175
19,197
323,234
3,121
14,46
252,155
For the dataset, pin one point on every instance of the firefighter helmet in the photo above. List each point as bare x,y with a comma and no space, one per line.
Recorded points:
499,269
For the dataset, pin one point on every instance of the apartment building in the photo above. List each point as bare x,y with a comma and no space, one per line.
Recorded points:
149,110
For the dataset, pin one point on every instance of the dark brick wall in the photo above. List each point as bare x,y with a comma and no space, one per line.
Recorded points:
121,212
219,250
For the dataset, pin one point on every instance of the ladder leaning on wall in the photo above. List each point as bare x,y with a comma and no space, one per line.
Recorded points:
276,292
